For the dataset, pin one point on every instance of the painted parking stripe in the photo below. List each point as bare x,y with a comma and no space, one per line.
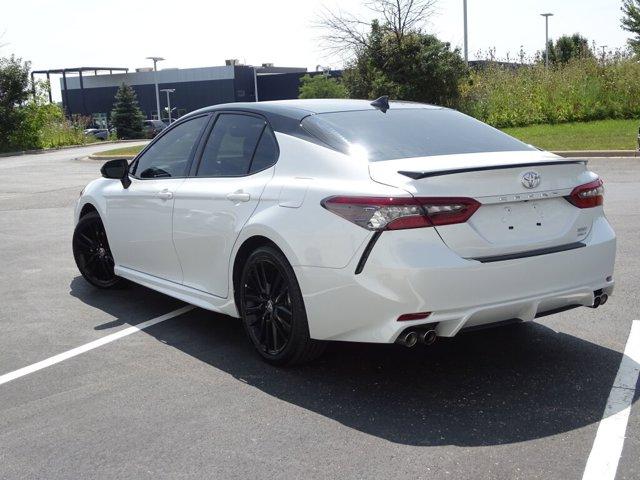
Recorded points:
7,377
607,447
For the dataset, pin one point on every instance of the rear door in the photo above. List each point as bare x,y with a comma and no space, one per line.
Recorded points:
212,206
521,194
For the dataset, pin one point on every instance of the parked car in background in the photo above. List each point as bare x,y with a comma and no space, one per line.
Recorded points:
347,220
153,127
98,133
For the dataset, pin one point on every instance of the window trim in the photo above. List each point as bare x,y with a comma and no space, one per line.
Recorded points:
134,164
193,173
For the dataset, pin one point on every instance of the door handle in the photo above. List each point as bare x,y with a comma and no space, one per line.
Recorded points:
165,195
239,197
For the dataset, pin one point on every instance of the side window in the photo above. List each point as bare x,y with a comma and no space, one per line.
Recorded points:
266,153
230,146
168,157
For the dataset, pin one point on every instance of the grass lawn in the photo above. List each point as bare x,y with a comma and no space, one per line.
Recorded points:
124,151
598,135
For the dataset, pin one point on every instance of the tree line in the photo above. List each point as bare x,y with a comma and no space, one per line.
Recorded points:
29,121
393,55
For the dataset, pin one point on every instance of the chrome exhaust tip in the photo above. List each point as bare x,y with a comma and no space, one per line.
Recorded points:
428,337
408,339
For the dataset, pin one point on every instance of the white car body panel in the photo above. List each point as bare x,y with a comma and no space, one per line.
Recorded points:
139,222
400,278
207,219
512,218
186,246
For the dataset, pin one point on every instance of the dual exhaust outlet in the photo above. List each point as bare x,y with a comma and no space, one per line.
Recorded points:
599,299
410,338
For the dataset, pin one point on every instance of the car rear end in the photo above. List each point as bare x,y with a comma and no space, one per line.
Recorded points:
486,230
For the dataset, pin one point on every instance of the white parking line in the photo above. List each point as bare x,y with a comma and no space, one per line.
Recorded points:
7,377
607,447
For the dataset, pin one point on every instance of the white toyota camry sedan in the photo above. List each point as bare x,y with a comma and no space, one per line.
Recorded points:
348,220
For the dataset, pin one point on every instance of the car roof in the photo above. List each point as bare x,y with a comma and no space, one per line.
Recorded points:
299,109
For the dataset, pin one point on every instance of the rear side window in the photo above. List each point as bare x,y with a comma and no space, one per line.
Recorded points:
266,152
231,146
408,132
170,154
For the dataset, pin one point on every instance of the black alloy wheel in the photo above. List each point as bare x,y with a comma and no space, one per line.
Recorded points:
92,253
272,310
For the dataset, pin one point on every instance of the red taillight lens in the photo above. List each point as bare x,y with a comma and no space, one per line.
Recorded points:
588,195
449,210
390,213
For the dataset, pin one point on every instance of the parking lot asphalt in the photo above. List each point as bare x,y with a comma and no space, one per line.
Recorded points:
187,397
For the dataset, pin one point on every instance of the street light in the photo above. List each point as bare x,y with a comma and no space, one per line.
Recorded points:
466,40
604,52
155,80
546,43
168,91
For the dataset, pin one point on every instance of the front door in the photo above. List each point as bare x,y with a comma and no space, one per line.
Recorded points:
212,207
139,218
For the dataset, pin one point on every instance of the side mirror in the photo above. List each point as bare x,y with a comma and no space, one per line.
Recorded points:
117,169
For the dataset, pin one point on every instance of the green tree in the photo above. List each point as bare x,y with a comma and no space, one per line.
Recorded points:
126,116
418,67
321,86
569,47
14,92
631,22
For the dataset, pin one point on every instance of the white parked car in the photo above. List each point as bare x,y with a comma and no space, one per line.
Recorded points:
318,220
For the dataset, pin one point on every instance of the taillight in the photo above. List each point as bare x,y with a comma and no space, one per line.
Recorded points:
391,213
588,195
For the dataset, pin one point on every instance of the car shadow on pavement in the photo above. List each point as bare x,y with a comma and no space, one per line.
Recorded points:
490,387
121,302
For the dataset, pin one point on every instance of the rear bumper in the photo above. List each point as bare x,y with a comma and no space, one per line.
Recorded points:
414,271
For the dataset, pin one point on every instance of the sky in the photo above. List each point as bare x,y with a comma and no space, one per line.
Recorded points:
191,33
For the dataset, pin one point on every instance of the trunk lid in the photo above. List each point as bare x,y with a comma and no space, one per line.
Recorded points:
513,218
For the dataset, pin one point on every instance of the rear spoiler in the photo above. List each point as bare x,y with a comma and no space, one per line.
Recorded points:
438,173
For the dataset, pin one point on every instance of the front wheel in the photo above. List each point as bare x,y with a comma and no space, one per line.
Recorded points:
92,253
272,310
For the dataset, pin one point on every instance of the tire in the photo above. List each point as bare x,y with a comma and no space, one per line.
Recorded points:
92,253
272,310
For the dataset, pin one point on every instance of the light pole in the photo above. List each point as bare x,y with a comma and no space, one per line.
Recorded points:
168,91
466,39
546,42
604,51
255,83
155,80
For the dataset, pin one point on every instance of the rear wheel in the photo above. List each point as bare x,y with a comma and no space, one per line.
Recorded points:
272,310
92,253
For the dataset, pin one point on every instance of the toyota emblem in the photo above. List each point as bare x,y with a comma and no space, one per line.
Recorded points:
530,179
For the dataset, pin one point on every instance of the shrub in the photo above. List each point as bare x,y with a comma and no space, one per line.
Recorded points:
14,92
43,125
320,86
580,90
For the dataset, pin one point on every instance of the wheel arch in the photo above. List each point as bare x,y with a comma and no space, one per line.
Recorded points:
87,208
249,245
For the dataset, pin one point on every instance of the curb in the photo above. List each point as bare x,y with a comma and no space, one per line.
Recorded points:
47,150
598,153
109,157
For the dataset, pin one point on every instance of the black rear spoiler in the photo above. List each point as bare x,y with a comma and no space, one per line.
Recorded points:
438,173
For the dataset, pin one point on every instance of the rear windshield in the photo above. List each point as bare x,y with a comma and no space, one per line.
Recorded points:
406,133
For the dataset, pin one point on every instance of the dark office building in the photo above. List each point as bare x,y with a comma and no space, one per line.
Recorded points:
194,88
